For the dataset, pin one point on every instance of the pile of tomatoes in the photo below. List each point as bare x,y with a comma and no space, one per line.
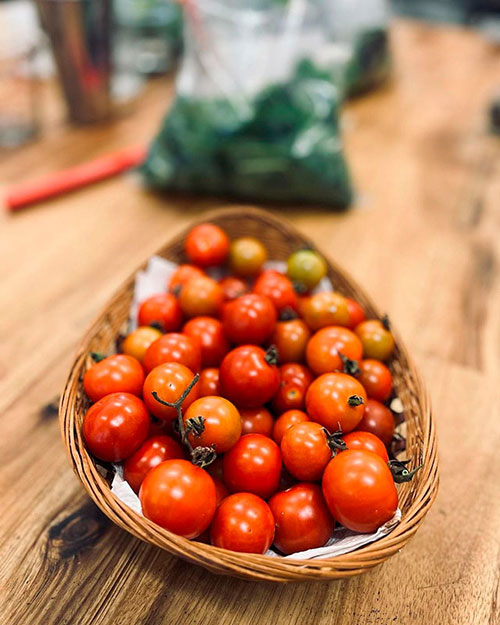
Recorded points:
247,411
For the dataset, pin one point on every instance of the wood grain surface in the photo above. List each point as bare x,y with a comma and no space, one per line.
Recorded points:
423,239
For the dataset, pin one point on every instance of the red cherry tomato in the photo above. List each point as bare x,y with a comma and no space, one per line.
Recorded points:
368,442
207,245
256,421
294,382
115,426
285,422
356,313
302,518
173,347
182,275
290,338
244,523
114,374
336,400
249,319
208,384
253,465
378,420
376,379
150,454
324,309
305,451
278,288
162,309
359,490
377,340
169,380
201,297
221,423
208,331
137,342
180,497
233,287
324,349
247,378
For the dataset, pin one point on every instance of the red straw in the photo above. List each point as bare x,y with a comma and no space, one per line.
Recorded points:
74,178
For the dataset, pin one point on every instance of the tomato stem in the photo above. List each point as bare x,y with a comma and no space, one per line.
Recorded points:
335,440
385,322
97,356
272,355
157,325
351,367
399,471
355,400
288,314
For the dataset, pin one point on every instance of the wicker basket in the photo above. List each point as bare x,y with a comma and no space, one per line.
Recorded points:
415,497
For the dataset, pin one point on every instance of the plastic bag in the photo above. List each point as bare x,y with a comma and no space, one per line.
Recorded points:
255,115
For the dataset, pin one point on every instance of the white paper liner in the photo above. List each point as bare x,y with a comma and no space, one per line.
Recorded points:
154,280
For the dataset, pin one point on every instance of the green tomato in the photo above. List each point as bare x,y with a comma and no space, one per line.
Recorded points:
306,267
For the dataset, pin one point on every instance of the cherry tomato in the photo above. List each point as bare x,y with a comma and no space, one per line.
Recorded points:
290,338
376,378
244,523
233,287
169,380
208,331
114,374
378,420
221,423
201,297
247,376
207,245
150,454
256,421
294,382
253,465
377,341
208,384
305,451
336,400
306,267
137,342
249,319
182,275
246,256
221,491
368,442
115,426
324,309
278,288
180,497
324,349
173,347
285,422
302,518
162,309
359,490
356,313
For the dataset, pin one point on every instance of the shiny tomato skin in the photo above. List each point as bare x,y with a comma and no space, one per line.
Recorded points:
208,384
180,497
222,423
150,454
290,338
246,378
119,373
250,318
376,379
294,382
246,256
173,347
302,518
324,309
207,245
378,420
324,349
233,287
359,490
256,421
378,342
278,288
356,313
201,297
169,380
163,309
327,401
253,465
208,331
182,275
115,426
366,441
285,421
305,451
137,342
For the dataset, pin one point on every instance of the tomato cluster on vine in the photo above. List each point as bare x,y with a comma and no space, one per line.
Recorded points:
249,410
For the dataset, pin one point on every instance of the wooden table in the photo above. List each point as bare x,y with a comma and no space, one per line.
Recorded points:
424,241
